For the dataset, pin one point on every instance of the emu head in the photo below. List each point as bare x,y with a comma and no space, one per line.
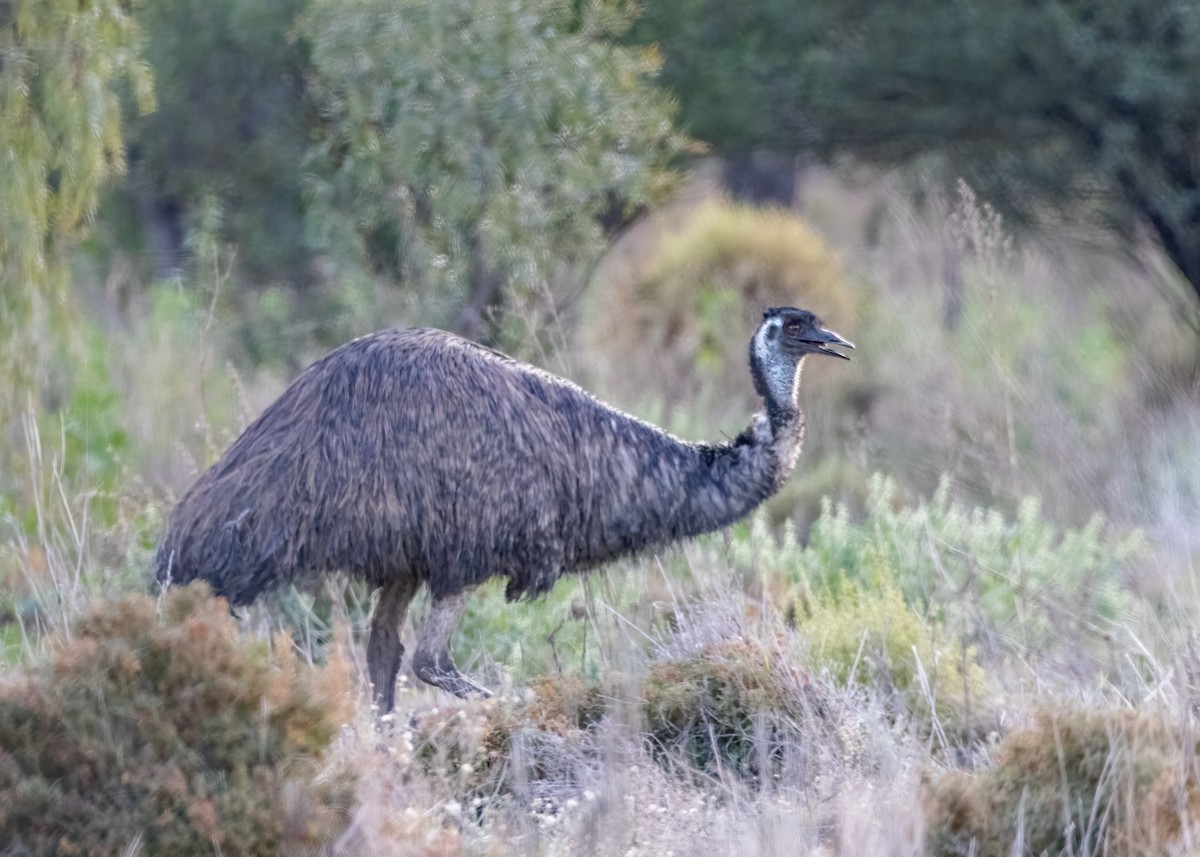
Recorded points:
786,336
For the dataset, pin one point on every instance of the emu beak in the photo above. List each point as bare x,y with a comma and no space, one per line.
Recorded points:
821,340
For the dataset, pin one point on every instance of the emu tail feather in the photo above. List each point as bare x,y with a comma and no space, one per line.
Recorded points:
225,556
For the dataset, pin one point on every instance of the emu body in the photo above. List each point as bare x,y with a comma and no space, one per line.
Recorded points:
415,457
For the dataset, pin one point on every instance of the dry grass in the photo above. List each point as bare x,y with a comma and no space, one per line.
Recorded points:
686,704
561,768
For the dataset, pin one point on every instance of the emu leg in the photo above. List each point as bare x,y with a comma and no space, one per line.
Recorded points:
432,662
384,649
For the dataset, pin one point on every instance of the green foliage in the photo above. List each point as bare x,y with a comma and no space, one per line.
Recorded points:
62,66
88,424
1018,577
867,634
518,635
1119,782
857,628
60,128
475,148
231,130
728,65
153,381
167,729
550,634
729,707
1077,107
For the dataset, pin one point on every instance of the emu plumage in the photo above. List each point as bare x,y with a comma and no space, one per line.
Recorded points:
413,457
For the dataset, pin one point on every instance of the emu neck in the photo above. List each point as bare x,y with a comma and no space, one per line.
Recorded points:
780,389
651,489
782,415
730,480
776,378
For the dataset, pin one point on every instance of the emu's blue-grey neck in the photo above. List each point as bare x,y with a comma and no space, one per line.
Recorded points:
776,374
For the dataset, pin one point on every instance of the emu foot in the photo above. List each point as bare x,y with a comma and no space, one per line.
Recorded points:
384,653
383,679
440,671
384,649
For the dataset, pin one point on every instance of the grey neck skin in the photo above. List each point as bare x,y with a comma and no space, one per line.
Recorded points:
776,378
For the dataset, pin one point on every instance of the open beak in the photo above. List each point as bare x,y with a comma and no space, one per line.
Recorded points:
821,339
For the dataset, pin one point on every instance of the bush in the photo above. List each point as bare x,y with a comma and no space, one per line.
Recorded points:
675,331
1019,583
555,633
526,637
169,731
729,707
474,742
1115,782
858,629
867,635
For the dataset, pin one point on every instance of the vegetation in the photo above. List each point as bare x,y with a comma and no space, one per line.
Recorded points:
484,174
62,68
967,625
225,71
61,137
888,636
868,635
971,565
172,733
726,708
1061,109
672,320
1112,781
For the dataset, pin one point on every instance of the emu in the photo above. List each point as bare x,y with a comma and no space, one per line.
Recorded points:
412,457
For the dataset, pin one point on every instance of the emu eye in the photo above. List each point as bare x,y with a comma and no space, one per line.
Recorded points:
792,327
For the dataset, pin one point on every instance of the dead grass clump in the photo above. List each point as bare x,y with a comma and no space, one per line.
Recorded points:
1115,782
562,703
473,742
167,730
726,708
466,744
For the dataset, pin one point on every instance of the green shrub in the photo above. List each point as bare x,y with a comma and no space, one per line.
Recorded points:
1115,782
171,731
554,633
1020,583
866,634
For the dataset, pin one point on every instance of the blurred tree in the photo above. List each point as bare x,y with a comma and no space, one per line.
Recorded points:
474,148
62,66
1083,108
229,136
732,66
